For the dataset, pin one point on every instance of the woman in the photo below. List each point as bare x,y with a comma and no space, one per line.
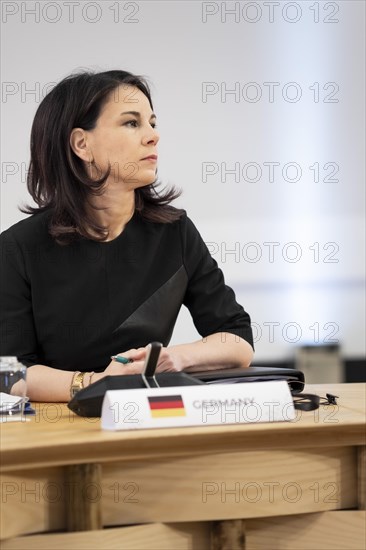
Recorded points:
104,263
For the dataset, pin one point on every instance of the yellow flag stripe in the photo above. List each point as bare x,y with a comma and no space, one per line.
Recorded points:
158,413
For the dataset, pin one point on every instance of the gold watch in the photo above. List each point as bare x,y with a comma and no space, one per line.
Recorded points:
77,383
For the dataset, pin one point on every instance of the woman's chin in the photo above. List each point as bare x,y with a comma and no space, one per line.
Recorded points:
144,182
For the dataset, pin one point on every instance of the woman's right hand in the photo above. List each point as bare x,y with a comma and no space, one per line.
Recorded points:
116,369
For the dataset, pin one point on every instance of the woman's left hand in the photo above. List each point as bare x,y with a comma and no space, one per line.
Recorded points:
169,361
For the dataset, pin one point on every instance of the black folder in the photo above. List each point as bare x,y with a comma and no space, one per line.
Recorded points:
293,377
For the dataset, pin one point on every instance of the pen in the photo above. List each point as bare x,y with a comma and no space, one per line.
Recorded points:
121,359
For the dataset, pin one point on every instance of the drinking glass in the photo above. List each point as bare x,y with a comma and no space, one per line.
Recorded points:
13,387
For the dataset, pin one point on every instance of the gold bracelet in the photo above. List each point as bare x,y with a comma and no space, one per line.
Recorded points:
77,383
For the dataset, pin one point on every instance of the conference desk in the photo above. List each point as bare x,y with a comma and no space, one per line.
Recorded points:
301,484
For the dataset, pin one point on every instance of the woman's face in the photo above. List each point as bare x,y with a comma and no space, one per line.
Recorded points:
125,137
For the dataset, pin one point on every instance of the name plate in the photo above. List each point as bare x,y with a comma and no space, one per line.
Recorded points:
197,405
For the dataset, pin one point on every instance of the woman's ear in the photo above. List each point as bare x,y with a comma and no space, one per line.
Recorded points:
78,144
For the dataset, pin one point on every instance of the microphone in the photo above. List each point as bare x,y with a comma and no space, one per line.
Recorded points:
151,361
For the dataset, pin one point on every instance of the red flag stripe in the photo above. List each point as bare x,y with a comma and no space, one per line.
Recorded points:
167,405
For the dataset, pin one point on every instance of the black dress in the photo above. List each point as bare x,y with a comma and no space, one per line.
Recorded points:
72,307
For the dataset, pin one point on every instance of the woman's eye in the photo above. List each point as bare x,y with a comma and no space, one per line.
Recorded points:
134,124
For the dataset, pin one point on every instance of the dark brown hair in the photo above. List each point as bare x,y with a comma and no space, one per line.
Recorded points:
57,179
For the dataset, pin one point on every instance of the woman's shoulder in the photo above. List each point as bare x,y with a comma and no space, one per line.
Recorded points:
185,223
187,230
33,229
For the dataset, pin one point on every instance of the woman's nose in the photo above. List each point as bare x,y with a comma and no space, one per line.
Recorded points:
152,136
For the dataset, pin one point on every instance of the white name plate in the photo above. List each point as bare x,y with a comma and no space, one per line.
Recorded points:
197,405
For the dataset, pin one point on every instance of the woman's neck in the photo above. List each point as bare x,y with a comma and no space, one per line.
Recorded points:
117,208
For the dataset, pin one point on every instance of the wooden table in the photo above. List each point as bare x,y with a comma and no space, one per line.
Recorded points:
68,484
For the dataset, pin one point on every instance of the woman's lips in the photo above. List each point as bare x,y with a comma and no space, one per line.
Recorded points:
153,158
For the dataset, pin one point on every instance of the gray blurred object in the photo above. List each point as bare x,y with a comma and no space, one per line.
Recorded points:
320,364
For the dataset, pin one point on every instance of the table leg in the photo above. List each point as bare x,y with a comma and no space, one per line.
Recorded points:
228,535
361,477
83,511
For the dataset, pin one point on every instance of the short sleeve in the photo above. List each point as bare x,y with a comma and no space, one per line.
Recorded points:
211,302
17,332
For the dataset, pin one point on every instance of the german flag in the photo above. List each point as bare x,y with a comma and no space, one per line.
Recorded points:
166,405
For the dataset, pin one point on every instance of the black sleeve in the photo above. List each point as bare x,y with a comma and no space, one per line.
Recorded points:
17,332
210,301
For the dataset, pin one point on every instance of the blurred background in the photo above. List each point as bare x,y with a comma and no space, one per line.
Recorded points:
261,114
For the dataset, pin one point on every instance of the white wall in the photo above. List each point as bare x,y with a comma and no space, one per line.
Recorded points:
296,69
